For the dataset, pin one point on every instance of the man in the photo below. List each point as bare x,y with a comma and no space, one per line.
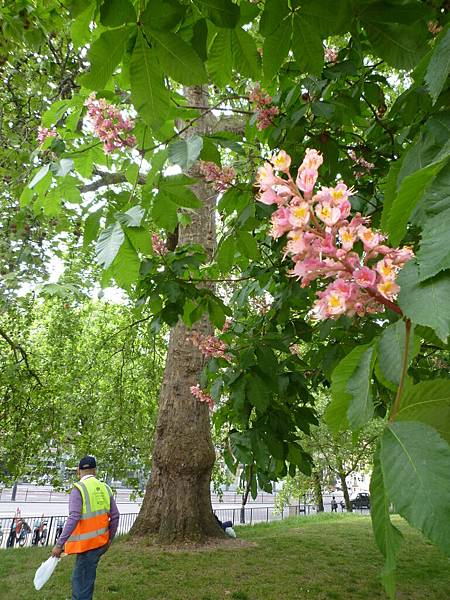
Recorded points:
333,505
90,528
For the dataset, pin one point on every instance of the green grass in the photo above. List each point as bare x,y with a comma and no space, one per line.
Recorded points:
329,557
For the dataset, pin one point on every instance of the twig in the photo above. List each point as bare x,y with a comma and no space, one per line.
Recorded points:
15,347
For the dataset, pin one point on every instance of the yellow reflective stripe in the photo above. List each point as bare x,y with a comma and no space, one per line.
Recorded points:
94,513
87,536
86,497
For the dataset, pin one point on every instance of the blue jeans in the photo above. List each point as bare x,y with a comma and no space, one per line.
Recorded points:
84,573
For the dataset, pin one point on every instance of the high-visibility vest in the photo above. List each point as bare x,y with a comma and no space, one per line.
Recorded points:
92,530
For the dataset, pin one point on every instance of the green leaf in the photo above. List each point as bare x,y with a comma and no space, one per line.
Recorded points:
425,303
185,152
387,537
428,402
140,239
390,350
246,58
307,45
336,411
91,227
162,15
220,57
114,13
178,59
257,393
40,174
132,217
389,187
164,212
276,48
409,194
402,46
359,386
63,166
148,93
222,13
439,66
434,253
247,245
108,244
415,461
225,255
200,38
125,267
104,56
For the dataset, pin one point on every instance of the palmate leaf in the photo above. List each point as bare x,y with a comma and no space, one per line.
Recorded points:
108,244
246,58
425,303
415,461
390,350
439,66
178,59
276,48
307,44
185,152
434,252
411,190
387,537
148,93
402,46
162,15
359,386
125,267
104,56
114,13
220,57
429,402
336,412
223,13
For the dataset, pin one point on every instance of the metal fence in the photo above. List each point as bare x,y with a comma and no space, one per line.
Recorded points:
38,531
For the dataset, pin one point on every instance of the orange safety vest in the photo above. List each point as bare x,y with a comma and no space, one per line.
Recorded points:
92,530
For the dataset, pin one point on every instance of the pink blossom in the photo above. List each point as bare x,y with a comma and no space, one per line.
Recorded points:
331,55
44,133
209,345
295,349
347,237
112,131
158,245
296,243
299,214
330,215
270,197
265,117
202,396
369,238
388,288
265,177
313,160
280,222
222,178
282,161
386,269
306,180
365,277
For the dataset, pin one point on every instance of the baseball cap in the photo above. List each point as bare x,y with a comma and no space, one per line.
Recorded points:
87,462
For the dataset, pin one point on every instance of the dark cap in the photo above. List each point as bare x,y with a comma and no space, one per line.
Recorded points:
87,462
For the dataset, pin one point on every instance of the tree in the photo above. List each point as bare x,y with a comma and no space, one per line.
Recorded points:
374,127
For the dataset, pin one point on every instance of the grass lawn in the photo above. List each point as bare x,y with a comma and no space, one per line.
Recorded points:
328,557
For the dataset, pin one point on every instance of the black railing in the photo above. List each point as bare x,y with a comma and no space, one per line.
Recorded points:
35,531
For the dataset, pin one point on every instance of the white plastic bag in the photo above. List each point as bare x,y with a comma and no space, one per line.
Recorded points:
45,571
230,531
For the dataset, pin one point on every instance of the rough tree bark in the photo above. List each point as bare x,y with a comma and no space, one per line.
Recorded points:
318,491
342,475
177,503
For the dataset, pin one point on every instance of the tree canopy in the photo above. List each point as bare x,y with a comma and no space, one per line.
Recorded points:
362,82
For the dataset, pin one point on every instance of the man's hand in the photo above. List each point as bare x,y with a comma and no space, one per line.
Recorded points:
57,551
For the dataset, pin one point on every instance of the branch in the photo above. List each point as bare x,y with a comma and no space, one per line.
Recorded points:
17,348
107,178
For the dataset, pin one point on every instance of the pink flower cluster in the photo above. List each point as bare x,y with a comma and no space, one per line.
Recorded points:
109,124
209,345
44,133
359,160
158,245
202,396
265,113
222,178
331,55
324,242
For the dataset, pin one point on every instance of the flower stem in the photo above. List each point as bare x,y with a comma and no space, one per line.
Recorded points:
401,384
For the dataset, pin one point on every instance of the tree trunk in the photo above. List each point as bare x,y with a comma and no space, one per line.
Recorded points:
348,504
318,491
177,503
245,495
